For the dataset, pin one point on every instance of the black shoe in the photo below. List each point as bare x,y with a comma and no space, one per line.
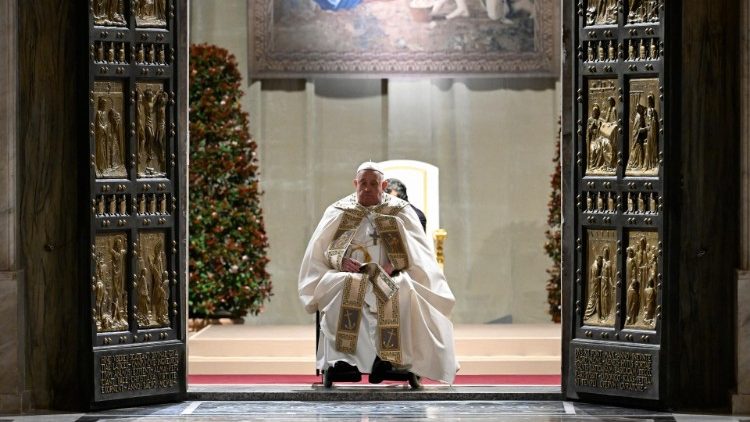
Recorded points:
379,369
341,371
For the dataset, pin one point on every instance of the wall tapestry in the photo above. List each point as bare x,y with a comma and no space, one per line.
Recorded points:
385,38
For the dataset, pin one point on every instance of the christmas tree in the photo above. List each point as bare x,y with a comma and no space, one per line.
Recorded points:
553,246
228,241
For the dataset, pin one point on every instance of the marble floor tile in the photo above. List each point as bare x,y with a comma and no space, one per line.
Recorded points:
370,411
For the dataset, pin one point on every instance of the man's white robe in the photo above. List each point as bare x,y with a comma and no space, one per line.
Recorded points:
424,299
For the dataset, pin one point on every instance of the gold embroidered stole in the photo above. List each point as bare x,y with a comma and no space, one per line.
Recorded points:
355,285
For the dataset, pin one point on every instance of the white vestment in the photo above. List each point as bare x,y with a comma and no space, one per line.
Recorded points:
424,299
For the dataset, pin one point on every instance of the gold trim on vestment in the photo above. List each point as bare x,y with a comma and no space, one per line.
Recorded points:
350,316
385,289
389,330
387,227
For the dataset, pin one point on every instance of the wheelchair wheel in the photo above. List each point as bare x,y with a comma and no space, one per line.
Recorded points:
415,381
327,379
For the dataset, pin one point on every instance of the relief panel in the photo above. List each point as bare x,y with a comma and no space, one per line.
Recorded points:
641,273
150,13
111,307
642,203
108,12
109,52
601,51
108,131
151,54
643,156
601,278
152,281
644,11
643,49
601,12
151,128
602,127
601,202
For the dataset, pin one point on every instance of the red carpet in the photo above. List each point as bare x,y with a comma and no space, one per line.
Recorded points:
312,379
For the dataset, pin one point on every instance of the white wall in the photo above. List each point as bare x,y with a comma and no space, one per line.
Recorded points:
492,139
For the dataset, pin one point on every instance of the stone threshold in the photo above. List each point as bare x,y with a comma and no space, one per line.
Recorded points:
393,392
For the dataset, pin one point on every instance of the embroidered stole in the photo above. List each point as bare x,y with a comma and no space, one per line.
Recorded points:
385,289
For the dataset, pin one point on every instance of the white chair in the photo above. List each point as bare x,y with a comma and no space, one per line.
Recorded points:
422,182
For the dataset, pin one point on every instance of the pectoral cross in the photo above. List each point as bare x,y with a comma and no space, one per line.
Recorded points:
375,236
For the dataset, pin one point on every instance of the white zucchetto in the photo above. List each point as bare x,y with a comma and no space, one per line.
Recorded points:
369,165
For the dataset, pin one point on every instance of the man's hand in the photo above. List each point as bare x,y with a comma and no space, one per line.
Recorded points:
388,268
350,265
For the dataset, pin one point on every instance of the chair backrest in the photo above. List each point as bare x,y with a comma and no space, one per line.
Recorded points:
422,182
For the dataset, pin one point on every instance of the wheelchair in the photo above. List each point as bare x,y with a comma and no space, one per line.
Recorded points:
381,370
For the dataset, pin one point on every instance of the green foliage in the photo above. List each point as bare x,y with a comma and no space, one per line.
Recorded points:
553,246
228,241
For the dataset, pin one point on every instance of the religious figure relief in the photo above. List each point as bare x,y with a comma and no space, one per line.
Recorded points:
151,128
602,128
108,130
111,205
643,158
641,272
601,202
108,12
109,53
110,295
601,51
152,282
150,13
642,11
643,49
601,278
601,12
151,54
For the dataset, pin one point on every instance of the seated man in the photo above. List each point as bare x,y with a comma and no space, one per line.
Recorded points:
372,274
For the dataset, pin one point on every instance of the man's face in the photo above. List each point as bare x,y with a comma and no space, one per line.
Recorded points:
370,186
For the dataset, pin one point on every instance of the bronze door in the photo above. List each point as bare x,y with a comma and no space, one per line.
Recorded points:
136,182
615,207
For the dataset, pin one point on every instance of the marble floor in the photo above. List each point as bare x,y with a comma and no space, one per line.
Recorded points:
301,411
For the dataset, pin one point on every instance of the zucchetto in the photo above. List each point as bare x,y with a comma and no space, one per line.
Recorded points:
369,165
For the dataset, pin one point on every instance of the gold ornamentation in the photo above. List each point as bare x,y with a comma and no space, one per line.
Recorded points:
108,130
115,53
602,128
640,11
109,283
641,269
108,12
387,226
353,215
601,12
150,13
439,237
602,270
152,282
350,314
643,159
151,115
